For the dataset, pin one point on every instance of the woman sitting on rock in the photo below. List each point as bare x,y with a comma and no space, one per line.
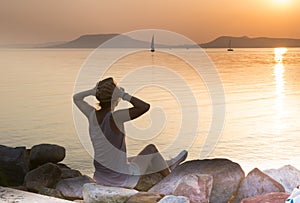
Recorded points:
106,129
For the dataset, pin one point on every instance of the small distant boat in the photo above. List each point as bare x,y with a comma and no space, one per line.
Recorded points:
152,45
229,46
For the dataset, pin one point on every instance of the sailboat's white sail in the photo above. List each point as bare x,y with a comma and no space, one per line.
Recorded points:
229,46
152,44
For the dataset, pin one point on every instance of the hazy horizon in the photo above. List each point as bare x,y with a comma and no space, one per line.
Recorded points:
34,22
62,42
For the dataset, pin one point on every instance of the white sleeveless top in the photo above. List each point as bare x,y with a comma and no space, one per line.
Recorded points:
110,158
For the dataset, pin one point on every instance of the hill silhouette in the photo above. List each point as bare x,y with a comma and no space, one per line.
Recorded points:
246,42
93,41
123,41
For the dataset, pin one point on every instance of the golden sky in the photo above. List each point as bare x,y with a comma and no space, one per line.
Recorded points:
36,21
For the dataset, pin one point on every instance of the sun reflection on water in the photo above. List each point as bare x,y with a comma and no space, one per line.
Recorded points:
279,71
279,79
279,54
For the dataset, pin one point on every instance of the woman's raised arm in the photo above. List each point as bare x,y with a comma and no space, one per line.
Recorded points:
82,105
139,108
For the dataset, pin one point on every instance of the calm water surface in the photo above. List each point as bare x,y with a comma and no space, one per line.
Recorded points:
262,93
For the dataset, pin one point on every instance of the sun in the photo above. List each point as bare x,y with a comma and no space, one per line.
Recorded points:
281,1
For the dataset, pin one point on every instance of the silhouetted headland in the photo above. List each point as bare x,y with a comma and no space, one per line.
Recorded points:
93,41
123,41
247,42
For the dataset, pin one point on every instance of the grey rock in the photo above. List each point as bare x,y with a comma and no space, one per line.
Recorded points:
44,153
50,192
227,176
46,175
257,183
69,173
288,176
9,195
174,199
195,187
63,166
71,188
93,193
14,164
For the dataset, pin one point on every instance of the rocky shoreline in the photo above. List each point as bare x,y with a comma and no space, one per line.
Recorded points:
39,170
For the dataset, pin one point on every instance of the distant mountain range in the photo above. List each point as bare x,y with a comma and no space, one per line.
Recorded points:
93,41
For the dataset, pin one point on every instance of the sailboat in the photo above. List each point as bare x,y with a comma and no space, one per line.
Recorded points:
229,46
152,45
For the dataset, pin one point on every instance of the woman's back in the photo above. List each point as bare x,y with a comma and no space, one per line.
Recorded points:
109,151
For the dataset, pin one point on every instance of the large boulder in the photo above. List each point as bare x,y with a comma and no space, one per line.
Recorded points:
69,173
274,197
145,197
148,181
257,183
288,176
71,188
50,192
14,164
93,193
174,199
44,153
196,187
226,174
46,175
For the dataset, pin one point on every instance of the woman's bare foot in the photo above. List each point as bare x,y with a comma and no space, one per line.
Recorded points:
174,162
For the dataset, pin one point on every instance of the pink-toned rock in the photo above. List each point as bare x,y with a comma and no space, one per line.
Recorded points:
197,187
274,197
227,176
257,183
145,197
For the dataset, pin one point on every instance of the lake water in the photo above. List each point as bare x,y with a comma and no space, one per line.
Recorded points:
262,94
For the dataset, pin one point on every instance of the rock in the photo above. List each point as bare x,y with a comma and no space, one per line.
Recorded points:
14,164
19,187
44,153
288,176
9,195
69,173
93,193
174,199
257,183
148,181
196,187
63,166
46,175
227,176
79,201
71,188
145,197
274,197
50,192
